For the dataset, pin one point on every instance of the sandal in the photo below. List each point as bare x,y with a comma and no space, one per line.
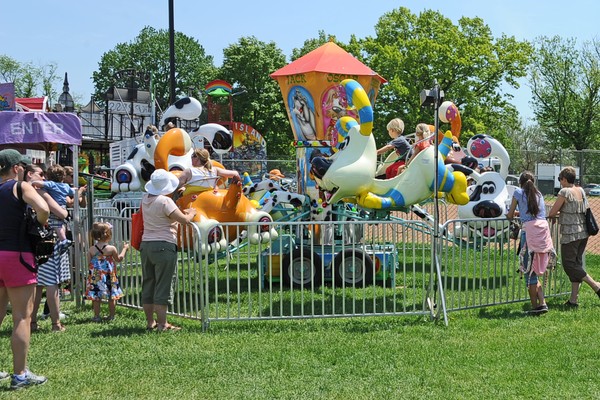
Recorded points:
58,327
96,319
168,327
151,328
571,305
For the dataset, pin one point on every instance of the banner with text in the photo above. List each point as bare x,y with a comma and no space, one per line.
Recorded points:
37,127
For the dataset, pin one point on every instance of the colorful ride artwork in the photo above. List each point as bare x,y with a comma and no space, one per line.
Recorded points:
172,151
336,180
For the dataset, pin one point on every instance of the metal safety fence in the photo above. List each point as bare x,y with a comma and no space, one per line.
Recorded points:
350,268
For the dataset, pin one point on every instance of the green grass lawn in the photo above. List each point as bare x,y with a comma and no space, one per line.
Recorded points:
495,352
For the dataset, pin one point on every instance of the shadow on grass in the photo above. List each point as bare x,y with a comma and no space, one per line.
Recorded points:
502,312
345,325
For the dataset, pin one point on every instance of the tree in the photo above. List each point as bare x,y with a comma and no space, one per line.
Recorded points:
149,53
565,83
412,52
29,80
314,43
247,66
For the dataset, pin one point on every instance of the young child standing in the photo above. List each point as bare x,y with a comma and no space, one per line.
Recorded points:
102,281
536,242
56,187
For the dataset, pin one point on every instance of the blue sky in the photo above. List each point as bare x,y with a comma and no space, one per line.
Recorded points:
74,34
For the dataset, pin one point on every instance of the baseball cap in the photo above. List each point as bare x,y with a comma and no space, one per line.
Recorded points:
10,157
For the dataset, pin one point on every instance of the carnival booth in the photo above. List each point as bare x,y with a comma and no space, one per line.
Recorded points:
40,130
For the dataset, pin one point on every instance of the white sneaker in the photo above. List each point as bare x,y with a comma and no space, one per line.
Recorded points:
61,316
30,379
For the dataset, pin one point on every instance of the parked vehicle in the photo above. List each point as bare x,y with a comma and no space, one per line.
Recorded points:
595,192
587,188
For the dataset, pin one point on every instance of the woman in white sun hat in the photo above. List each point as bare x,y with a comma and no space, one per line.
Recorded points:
159,247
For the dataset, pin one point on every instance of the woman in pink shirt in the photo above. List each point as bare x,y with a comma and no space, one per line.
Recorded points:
159,247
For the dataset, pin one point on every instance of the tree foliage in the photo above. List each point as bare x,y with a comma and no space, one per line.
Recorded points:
29,80
314,43
247,65
149,53
565,82
469,64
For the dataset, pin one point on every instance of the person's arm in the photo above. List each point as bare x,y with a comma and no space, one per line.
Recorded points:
560,200
416,150
119,256
185,177
227,173
183,217
81,196
37,184
384,149
511,211
37,202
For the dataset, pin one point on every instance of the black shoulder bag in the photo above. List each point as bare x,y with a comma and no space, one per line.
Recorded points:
41,237
590,222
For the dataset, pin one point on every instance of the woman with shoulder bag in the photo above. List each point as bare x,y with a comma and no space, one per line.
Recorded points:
570,207
17,283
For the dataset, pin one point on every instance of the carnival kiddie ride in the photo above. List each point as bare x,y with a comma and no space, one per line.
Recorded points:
172,151
348,190
85,177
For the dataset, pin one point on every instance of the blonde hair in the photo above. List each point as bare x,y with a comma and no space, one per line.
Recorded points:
101,230
396,125
422,129
203,157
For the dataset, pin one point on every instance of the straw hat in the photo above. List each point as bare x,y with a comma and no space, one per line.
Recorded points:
276,174
162,182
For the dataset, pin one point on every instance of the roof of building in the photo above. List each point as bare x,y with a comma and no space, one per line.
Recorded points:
32,104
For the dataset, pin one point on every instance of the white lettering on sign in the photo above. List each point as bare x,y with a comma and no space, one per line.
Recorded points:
35,127
250,132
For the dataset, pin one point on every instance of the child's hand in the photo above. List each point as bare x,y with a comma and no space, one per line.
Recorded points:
125,246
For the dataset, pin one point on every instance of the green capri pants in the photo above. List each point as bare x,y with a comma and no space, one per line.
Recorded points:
159,263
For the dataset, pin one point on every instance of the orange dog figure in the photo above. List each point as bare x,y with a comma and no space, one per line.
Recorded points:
214,206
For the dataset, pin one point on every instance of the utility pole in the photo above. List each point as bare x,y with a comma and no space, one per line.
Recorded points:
171,53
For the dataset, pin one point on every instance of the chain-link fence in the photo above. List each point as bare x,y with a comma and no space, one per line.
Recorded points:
587,161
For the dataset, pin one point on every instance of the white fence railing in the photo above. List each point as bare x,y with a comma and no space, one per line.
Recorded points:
340,269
